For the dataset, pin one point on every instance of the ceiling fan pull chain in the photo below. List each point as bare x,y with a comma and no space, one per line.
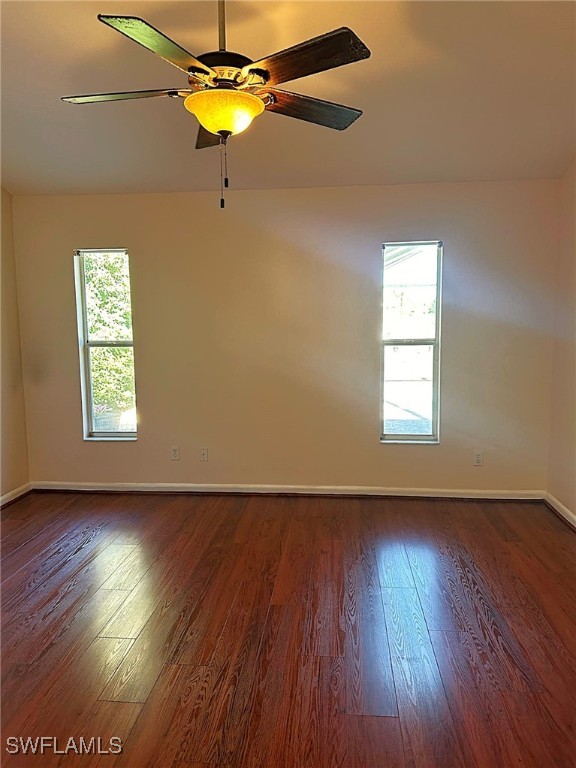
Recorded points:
226,180
222,146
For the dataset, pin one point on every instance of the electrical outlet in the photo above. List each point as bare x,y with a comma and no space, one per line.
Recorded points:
175,453
203,454
478,457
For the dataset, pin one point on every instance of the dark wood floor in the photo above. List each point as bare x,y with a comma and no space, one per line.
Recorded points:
282,632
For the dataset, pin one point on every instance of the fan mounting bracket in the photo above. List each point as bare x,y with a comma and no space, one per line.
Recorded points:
230,76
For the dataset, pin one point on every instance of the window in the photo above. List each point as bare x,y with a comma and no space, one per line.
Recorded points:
106,346
411,341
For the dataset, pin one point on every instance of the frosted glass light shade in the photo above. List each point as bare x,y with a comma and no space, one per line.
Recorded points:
224,110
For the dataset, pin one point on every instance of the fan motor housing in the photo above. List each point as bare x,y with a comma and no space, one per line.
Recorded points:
228,66
218,59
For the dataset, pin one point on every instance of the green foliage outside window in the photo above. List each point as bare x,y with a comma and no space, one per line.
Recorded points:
109,317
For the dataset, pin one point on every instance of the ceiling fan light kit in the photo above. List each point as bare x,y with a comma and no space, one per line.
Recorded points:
224,111
228,90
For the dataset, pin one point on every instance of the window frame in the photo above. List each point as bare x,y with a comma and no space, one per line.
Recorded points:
434,342
85,345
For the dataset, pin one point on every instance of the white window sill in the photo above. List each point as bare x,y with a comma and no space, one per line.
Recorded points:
393,441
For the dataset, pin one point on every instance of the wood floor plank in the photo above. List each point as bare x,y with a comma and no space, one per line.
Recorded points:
264,742
35,609
497,520
335,737
165,577
541,581
469,691
549,649
38,512
369,681
132,569
29,505
455,594
492,724
206,622
440,592
264,548
393,564
294,570
76,690
324,607
532,519
232,509
43,550
329,517
375,742
145,746
552,658
185,731
157,644
185,764
135,610
85,607
551,550
244,627
159,640
133,516
300,713
428,731
8,526
138,671
206,513
66,641
483,618
236,656
543,742
191,600
106,720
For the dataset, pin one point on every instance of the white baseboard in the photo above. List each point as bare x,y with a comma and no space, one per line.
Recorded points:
16,493
562,510
360,490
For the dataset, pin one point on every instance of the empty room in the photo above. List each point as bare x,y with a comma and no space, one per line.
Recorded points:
288,424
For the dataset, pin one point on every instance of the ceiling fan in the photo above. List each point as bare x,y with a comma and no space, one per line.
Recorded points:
228,90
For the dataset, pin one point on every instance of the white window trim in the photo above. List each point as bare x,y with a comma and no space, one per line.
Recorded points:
435,343
84,346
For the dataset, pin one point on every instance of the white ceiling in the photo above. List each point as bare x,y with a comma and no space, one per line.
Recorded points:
454,91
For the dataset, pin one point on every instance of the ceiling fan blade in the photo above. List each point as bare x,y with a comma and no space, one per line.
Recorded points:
94,97
151,38
206,139
333,49
312,110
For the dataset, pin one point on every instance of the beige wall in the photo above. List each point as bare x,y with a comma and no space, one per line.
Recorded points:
562,471
14,449
257,334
